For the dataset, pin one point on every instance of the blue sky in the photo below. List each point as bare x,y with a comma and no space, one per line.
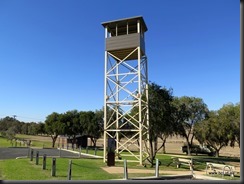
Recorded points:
52,52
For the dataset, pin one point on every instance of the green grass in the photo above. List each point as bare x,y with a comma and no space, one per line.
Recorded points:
82,169
90,169
4,142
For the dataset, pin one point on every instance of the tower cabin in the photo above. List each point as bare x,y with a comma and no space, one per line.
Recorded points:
123,36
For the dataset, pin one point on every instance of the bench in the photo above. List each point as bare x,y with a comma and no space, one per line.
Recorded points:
183,161
223,169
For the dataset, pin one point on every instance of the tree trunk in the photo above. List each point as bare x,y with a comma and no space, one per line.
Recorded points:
193,135
164,150
188,147
163,144
217,154
73,142
54,138
93,141
151,153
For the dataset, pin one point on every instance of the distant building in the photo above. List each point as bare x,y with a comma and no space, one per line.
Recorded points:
80,141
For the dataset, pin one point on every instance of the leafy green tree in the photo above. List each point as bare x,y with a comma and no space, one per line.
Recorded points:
33,128
24,128
230,116
213,131
90,123
71,119
9,127
10,134
54,126
161,117
236,126
8,122
190,111
96,129
40,128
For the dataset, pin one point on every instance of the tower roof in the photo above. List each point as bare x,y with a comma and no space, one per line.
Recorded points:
123,22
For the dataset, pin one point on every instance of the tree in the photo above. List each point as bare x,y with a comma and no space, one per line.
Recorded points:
96,129
190,111
213,131
221,128
162,121
9,127
91,123
24,128
40,128
54,126
230,114
8,122
10,134
71,119
236,126
33,128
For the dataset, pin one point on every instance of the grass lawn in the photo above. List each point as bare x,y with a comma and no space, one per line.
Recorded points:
82,169
89,169
4,142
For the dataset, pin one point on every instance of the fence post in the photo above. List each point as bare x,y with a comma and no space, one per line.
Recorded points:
191,166
28,153
157,169
69,170
59,152
95,151
37,157
125,170
44,161
80,152
53,170
31,156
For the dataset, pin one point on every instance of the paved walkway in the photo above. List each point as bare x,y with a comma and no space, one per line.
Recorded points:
197,174
22,152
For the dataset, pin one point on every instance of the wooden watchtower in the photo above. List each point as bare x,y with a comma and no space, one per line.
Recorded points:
126,116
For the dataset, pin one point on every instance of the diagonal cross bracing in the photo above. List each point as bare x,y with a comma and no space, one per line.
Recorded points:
126,119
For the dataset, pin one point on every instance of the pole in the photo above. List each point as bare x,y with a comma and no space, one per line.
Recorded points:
59,152
37,157
53,170
31,156
44,161
70,170
28,152
157,169
125,170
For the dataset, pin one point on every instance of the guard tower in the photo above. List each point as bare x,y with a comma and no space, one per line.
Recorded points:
126,116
